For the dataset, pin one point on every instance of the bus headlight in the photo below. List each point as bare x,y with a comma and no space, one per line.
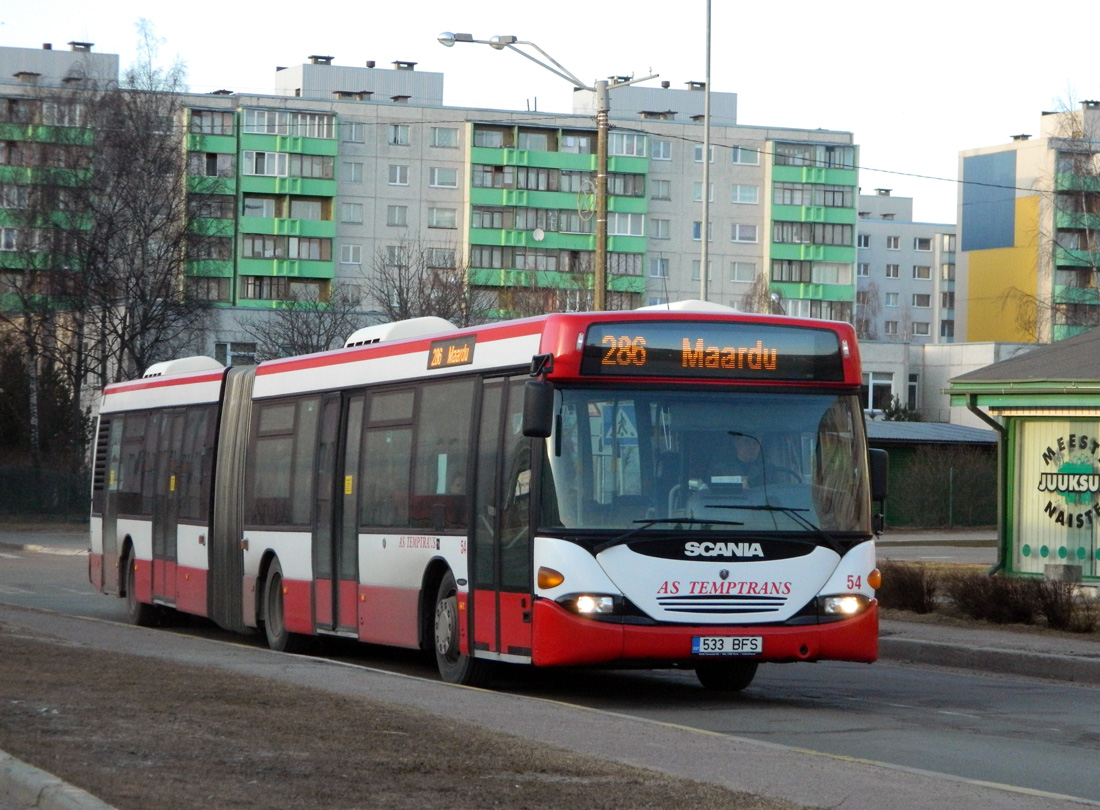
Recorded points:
589,604
847,605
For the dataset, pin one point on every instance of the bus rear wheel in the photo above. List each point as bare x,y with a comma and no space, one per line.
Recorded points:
278,637
141,613
726,676
454,666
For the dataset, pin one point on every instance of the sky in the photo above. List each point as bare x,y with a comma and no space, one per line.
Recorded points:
914,87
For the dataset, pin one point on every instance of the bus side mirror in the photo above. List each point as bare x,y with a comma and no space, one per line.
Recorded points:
538,408
880,468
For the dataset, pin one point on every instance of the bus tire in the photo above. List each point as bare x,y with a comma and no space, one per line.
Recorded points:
278,637
454,666
726,676
141,613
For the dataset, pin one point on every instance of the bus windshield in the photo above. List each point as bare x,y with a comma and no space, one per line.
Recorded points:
705,460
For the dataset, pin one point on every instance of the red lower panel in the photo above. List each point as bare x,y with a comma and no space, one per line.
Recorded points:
389,616
143,580
348,604
191,590
164,579
323,606
515,623
564,639
485,621
95,571
298,606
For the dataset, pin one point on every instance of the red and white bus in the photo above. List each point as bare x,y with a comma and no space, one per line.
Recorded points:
646,488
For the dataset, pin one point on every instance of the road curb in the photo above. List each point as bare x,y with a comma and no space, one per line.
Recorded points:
1071,668
24,787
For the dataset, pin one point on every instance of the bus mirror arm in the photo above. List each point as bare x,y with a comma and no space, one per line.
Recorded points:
538,408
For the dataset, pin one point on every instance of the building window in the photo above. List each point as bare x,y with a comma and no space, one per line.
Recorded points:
660,229
399,175
9,239
440,177
947,243
211,122
489,138
351,254
623,224
922,243
742,271
351,212
661,150
891,299
697,231
947,300
947,272
658,267
626,185
877,391
947,329
743,233
921,329
831,273
441,258
890,328
627,144
695,264
575,144
893,243
301,208
444,137
863,269
353,131
791,270
698,153
922,300
265,164
259,207
353,172
660,189
921,271
235,354
398,135
265,288
442,218
697,193
743,156
397,216
865,240
746,195
893,270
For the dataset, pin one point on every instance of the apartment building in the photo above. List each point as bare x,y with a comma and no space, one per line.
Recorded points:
905,273
343,170
1029,232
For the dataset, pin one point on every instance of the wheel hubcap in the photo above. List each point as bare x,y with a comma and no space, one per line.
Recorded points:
445,626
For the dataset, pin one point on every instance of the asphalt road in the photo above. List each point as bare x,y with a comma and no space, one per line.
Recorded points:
954,728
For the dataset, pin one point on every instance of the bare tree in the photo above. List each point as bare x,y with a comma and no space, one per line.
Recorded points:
868,307
413,279
307,324
760,298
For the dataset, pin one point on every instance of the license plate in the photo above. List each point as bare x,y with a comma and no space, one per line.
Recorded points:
727,645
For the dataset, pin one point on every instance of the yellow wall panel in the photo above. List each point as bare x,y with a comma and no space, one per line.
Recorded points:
994,275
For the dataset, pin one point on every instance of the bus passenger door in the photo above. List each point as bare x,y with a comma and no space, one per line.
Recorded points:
166,503
502,529
335,534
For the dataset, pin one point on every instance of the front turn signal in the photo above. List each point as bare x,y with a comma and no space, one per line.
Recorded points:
549,578
874,579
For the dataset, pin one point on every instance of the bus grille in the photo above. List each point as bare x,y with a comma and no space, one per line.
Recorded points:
722,603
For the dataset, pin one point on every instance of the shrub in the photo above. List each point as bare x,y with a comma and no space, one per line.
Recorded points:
1065,607
1002,600
907,586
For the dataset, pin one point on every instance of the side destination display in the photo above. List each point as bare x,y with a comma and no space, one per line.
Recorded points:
712,350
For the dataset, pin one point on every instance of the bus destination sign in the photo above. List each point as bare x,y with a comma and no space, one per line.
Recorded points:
712,350
451,352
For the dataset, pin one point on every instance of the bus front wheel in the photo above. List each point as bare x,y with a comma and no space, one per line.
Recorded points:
726,676
454,666
278,637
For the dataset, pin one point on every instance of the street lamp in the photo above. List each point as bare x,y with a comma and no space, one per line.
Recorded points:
602,90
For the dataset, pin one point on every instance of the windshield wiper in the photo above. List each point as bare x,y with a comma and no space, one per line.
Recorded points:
645,524
795,514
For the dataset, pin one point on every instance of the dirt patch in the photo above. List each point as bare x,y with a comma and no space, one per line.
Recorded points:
141,733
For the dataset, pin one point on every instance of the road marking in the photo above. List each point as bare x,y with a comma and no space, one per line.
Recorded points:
11,556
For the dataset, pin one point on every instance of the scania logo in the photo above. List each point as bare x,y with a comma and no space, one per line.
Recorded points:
695,549
724,574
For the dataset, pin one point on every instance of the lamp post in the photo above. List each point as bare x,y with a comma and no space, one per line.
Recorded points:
602,91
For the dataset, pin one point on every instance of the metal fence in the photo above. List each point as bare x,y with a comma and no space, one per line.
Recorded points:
49,493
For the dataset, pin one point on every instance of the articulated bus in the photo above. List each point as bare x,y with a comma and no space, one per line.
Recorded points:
685,489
